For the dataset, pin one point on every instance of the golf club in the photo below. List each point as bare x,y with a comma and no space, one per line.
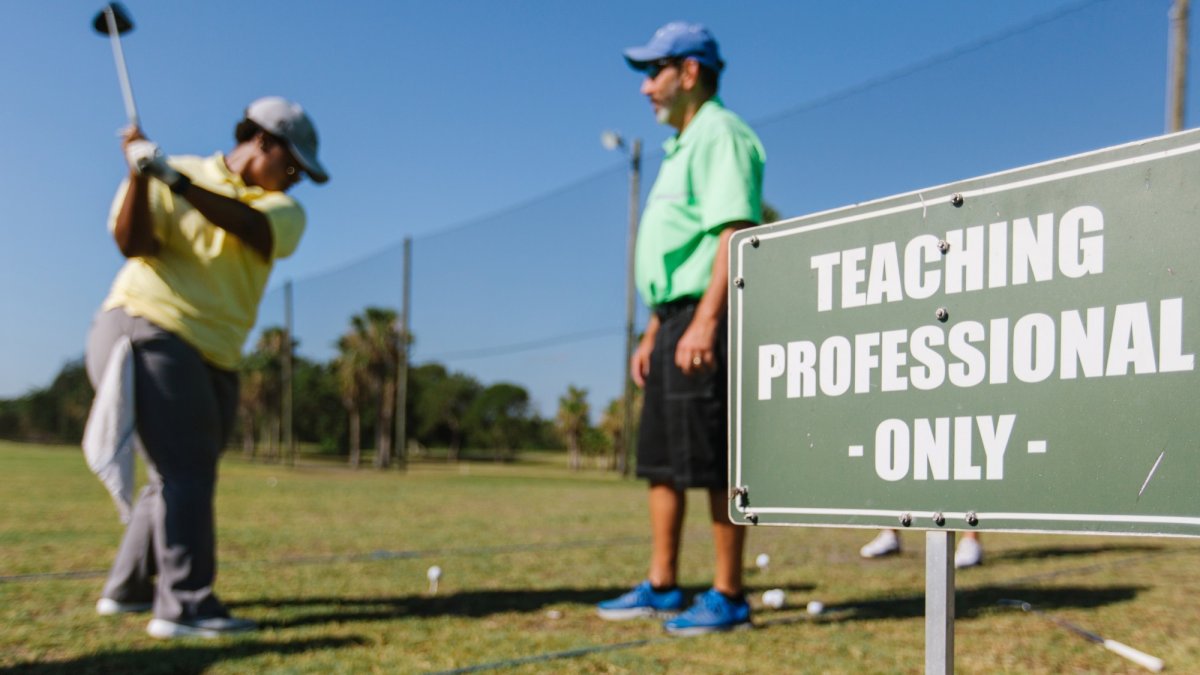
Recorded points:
113,21
1141,658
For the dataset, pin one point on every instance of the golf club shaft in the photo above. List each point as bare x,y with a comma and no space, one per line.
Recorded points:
122,72
1139,657
1121,649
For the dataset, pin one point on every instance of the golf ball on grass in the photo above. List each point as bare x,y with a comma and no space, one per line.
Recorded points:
762,561
773,598
815,607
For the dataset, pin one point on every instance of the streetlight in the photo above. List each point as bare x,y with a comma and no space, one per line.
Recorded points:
612,140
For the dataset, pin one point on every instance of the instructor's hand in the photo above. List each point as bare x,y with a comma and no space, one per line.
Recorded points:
694,352
639,364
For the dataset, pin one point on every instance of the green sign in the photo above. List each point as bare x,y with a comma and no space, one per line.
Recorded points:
1009,353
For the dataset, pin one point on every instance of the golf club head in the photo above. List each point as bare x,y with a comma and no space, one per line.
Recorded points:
120,17
1015,603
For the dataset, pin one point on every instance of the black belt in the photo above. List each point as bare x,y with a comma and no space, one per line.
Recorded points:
669,309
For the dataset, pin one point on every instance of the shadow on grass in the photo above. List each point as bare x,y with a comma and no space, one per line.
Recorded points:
1045,552
184,658
968,603
477,603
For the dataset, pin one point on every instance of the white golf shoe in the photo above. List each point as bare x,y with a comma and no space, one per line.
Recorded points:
968,553
212,627
109,607
884,543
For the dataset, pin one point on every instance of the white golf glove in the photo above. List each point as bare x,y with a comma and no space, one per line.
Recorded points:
147,159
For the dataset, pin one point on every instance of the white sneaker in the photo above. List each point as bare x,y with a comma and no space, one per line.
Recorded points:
884,543
968,553
109,607
206,628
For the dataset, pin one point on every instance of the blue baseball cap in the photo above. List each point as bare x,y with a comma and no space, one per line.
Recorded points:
678,39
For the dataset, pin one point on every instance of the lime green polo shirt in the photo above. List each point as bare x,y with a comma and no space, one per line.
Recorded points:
711,176
204,284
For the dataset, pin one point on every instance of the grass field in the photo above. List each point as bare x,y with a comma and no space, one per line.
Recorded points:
333,563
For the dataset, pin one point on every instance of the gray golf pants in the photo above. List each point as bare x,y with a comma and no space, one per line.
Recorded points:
185,410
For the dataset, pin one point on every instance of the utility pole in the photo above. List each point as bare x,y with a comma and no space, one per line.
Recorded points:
625,461
1177,72
402,362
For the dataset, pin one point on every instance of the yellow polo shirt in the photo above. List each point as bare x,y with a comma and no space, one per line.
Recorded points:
204,284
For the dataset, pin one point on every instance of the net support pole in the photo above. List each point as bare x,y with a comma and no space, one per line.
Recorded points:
625,460
1177,70
402,360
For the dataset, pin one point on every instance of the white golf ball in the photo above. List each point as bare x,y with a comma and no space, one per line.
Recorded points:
773,598
434,573
815,607
762,561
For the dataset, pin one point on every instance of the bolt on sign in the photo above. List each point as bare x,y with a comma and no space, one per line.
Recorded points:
1015,352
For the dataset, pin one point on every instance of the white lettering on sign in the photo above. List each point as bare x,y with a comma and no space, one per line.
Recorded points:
942,448
1131,339
978,257
1033,348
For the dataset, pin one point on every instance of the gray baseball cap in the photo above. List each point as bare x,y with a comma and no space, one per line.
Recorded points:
280,117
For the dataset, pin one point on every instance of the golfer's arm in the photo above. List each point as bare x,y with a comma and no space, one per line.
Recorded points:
134,229
236,218
712,304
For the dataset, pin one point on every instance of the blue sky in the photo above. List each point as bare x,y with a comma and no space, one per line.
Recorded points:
435,116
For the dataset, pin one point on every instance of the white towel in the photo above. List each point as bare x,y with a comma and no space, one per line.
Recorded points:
111,429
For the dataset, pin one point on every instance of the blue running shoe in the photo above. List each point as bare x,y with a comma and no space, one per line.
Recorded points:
711,612
642,601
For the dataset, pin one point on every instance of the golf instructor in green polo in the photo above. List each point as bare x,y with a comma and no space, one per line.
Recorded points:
709,186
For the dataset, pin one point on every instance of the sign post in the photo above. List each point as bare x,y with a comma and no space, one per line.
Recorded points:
939,602
1010,353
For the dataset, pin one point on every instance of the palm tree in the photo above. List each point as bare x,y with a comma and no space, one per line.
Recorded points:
374,340
249,405
261,393
350,370
270,350
573,414
613,426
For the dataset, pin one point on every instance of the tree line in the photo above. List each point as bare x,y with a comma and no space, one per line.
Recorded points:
346,407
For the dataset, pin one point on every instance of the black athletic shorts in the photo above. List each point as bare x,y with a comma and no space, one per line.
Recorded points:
683,439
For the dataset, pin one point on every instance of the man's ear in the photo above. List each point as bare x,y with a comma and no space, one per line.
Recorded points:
689,73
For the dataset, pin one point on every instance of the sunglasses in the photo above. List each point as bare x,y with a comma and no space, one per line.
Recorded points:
653,69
